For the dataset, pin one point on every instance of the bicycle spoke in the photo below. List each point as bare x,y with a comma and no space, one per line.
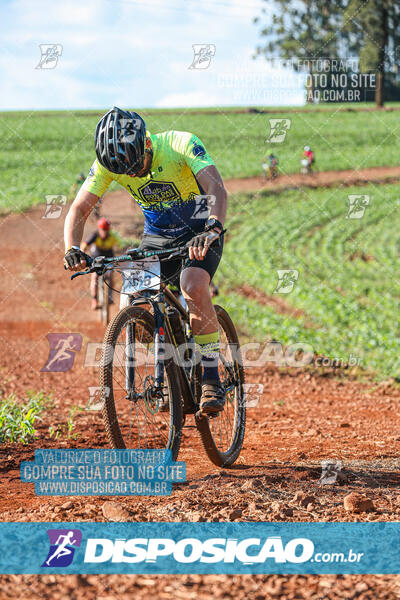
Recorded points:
141,426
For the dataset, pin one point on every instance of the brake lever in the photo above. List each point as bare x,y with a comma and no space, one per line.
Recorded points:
188,244
86,272
176,253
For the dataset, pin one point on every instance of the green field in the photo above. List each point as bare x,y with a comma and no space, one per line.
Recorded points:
346,294
42,153
346,286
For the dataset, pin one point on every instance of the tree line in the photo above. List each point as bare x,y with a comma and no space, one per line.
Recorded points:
343,46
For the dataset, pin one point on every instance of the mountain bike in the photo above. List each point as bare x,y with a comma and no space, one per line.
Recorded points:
270,171
306,167
103,300
150,370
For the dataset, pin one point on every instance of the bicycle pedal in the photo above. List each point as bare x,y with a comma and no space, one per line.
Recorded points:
200,415
213,415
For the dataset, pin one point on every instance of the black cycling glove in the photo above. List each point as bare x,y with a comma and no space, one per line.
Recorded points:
74,256
206,238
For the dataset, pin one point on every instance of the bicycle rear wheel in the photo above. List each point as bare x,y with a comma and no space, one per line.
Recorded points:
131,415
222,435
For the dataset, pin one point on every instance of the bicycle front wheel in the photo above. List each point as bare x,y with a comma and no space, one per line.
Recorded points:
222,435
104,303
133,417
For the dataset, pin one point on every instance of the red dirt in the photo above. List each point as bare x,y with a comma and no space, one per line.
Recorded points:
301,419
278,304
317,179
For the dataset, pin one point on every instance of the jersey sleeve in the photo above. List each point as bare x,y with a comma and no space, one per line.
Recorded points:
98,179
193,151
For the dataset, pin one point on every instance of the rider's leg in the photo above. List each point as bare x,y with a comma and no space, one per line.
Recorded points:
196,291
195,284
195,288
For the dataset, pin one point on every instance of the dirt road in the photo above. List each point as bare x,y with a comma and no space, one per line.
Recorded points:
301,419
316,179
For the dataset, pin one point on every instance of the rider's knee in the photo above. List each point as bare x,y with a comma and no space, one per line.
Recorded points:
194,289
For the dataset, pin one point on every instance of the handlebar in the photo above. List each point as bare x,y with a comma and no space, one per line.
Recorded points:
99,263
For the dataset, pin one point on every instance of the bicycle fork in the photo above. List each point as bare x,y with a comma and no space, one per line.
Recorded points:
130,359
159,340
159,351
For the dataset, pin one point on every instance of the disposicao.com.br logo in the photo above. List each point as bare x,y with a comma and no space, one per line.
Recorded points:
62,547
191,550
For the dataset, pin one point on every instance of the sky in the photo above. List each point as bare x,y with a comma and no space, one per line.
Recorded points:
138,54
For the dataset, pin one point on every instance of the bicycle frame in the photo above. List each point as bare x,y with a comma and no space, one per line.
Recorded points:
163,334
163,386
162,326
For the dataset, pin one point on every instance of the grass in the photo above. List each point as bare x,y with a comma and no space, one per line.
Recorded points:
42,153
17,421
67,429
346,293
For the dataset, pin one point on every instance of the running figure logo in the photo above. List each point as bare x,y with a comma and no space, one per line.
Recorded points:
357,205
62,547
278,129
203,54
203,205
54,206
331,472
96,400
62,351
286,280
127,133
50,54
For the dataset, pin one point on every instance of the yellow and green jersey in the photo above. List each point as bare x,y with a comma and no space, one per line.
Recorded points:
169,194
100,246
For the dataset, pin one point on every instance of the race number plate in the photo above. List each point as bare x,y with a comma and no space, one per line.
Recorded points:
140,275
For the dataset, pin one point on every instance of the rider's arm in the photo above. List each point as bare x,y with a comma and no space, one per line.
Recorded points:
192,151
77,215
211,182
92,189
195,155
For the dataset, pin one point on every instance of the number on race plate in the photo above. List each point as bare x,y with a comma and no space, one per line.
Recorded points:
139,275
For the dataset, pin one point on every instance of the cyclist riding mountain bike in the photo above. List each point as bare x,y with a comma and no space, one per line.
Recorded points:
165,173
309,155
101,243
270,164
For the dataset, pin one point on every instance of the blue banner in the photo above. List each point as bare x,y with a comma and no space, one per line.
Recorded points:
231,548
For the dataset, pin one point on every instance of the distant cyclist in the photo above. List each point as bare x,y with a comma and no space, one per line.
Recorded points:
308,159
165,173
101,243
270,166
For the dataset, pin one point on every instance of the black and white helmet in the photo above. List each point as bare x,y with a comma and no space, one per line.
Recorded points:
120,141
